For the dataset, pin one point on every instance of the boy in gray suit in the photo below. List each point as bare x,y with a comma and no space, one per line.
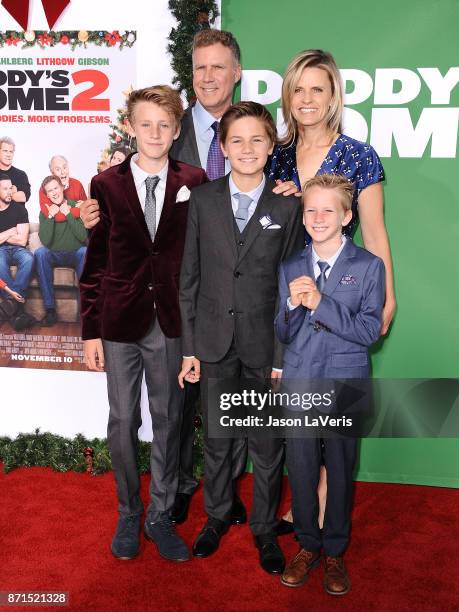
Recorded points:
238,232
331,300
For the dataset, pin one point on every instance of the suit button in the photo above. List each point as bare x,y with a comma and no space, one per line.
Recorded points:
237,274
240,243
231,312
150,287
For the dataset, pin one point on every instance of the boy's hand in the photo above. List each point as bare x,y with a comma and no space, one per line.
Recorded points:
287,188
311,296
297,287
94,354
90,213
191,371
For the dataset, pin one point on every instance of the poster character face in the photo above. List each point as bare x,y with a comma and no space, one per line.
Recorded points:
154,129
312,98
215,73
55,192
60,167
324,216
6,191
247,146
117,158
6,154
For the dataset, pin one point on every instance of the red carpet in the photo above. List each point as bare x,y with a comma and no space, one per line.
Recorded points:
56,529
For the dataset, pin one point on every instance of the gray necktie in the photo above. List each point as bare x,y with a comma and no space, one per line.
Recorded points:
242,213
150,204
321,279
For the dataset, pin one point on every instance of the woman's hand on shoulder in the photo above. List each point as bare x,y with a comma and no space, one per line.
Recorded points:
287,188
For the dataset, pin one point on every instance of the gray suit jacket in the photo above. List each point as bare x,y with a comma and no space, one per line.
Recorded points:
228,289
185,148
333,341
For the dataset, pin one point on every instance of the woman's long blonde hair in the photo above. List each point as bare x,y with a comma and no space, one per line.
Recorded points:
311,58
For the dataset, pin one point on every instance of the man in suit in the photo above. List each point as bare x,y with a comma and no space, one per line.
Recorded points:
130,311
238,232
330,304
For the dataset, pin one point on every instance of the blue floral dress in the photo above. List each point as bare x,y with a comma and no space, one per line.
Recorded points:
356,160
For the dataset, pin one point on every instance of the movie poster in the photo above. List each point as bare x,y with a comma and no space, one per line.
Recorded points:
62,98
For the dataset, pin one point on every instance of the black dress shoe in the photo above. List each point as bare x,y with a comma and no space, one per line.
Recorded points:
272,558
208,540
283,528
238,512
179,511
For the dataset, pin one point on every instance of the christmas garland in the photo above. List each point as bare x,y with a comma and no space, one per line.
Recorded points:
73,38
192,16
78,455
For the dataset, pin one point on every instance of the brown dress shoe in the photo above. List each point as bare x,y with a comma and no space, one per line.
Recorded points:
297,571
336,578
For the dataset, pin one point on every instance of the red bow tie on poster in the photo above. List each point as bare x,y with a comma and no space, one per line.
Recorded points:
19,10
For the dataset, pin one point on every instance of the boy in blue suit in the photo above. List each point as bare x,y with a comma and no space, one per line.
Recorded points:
331,300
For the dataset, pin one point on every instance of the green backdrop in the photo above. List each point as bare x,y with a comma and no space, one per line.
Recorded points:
421,193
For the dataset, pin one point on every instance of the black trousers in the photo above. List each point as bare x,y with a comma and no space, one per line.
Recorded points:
266,454
304,458
187,483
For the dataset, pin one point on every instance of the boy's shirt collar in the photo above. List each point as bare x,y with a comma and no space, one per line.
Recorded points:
254,194
140,175
330,260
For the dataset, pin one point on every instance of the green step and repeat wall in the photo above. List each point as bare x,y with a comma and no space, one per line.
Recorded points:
399,62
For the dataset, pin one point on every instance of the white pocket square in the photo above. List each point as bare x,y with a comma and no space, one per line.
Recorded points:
268,223
183,194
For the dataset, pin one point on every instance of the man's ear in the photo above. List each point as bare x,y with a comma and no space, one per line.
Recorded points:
237,74
222,147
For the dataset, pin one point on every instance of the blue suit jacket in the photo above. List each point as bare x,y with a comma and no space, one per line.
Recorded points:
333,341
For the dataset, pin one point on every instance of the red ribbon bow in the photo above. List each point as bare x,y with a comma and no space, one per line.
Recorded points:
19,10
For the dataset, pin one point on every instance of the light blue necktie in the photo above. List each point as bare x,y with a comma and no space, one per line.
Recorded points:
242,213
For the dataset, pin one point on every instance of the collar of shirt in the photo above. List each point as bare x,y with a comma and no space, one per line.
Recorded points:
254,194
202,121
140,176
330,260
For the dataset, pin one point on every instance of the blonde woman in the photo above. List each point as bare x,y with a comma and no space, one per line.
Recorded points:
312,104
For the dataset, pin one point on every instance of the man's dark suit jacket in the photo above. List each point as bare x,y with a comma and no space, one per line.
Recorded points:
185,148
126,275
229,289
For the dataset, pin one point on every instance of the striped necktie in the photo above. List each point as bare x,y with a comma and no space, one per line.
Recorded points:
215,160
151,183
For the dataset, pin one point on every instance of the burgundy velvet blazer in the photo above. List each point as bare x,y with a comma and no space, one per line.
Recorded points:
126,275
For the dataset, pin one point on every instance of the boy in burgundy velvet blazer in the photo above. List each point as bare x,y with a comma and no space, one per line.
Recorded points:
130,311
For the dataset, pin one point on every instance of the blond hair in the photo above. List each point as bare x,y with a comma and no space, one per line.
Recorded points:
311,58
333,181
163,95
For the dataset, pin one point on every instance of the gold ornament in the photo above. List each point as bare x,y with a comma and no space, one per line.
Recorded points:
126,93
83,36
29,35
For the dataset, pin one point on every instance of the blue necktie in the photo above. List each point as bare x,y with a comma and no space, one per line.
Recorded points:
321,279
215,159
242,213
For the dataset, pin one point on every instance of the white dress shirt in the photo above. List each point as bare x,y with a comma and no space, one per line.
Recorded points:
140,176
202,121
